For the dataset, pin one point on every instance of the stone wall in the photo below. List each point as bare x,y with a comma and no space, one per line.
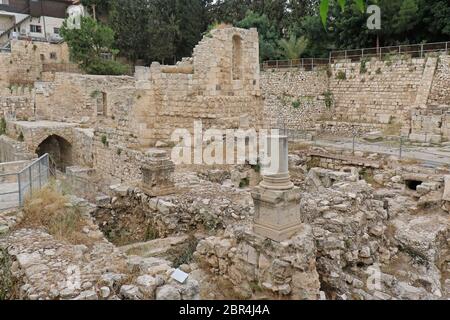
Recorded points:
251,267
368,95
294,98
13,150
24,64
430,125
20,106
381,92
219,85
72,97
440,90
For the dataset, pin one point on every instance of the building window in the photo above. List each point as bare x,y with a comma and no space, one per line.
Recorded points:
56,30
35,28
6,2
237,58
53,55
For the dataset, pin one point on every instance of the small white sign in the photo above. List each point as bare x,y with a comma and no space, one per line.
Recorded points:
179,276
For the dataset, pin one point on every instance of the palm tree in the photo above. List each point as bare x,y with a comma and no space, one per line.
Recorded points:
294,47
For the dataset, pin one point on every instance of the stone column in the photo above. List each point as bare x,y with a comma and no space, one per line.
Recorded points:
157,171
276,199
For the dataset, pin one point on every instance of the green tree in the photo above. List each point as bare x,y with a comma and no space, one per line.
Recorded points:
97,7
89,43
294,47
268,36
406,19
192,21
130,21
325,6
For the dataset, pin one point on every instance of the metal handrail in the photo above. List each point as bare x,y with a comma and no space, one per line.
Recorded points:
418,50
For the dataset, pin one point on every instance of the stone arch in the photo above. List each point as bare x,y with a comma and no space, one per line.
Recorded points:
237,57
59,149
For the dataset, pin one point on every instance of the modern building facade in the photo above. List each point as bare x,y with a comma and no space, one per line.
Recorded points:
38,20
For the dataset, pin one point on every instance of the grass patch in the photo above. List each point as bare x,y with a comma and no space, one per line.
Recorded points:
51,210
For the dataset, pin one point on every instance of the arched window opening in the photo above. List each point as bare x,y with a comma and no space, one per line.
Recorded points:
237,58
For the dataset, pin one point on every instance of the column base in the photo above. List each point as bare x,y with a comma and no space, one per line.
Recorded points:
276,234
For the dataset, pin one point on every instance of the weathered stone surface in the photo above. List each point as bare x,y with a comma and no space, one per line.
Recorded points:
168,292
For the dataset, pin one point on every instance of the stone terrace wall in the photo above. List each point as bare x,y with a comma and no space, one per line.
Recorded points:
17,107
382,95
440,90
294,98
75,98
24,64
371,95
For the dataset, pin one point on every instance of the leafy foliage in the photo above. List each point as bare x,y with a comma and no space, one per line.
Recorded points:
294,47
167,30
87,45
325,6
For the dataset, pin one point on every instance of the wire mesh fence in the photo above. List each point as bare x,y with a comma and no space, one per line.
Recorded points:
16,187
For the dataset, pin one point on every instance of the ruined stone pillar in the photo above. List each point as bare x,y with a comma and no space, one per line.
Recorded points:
157,173
276,199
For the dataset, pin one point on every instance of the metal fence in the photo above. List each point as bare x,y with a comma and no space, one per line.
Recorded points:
307,64
413,50
354,55
16,187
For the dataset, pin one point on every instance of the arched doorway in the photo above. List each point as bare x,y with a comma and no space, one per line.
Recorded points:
59,149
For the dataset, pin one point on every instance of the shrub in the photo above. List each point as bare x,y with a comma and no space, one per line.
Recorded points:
105,141
363,67
106,67
328,99
21,138
296,104
341,75
2,126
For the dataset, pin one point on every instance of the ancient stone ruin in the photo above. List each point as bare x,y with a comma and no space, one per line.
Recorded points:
354,203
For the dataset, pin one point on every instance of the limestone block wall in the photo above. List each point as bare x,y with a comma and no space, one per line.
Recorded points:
83,147
24,64
219,85
114,162
226,62
13,150
372,95
17,107
33,134
81,98
440,90
294,98
381,93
